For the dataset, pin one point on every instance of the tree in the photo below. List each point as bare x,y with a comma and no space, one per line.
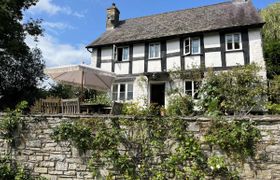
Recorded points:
21,67
271,36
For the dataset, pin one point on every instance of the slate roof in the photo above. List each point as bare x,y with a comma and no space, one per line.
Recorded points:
201,19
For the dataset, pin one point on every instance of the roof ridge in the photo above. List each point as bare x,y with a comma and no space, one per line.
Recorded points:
174,11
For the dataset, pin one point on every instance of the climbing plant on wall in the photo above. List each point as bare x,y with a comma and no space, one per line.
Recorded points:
160,148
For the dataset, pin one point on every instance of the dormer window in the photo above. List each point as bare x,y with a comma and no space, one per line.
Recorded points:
154,50
192,45
123,53
233,42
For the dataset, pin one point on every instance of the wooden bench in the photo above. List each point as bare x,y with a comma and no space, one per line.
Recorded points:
50,106
70,106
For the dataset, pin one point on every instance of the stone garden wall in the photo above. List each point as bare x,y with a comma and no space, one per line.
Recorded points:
38,152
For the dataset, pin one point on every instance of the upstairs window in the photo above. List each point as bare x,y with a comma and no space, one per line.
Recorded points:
192,46
233,42
191,88
122,54
122,92
154,50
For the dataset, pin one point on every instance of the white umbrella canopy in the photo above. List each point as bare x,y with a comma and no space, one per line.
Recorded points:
82,75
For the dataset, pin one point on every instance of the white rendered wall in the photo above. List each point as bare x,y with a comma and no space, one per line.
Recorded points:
212,40
256,51
106,53
213,59
94,58
140,90
154,66
173,63
192,61
122,68
106,66
138,50
234,58
173,46
138,66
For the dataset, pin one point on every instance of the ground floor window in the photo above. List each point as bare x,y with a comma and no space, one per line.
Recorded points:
122,92
191,88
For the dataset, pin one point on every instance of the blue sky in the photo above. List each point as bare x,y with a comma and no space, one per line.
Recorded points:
71,25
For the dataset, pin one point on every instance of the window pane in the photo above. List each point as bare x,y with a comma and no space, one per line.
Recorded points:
125,53
129,95
229,42
122,87
187,46
120,54
115,96
195,46
115,88
151,50
122,96
188,85
130,87
157,50
236,41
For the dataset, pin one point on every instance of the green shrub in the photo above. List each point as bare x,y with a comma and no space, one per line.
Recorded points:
237,91
180,105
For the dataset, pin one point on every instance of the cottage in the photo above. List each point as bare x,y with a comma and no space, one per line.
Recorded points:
141,51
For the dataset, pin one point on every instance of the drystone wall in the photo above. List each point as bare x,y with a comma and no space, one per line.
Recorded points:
43,156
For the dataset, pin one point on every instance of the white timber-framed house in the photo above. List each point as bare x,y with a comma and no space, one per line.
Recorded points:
141,51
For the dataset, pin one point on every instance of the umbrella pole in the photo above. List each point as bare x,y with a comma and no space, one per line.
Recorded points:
82,94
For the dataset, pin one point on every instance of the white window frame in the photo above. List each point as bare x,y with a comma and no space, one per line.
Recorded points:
233,47
159,53
116,50
191,44
193,85
118,91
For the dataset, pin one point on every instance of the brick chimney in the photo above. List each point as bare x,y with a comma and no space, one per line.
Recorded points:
113,15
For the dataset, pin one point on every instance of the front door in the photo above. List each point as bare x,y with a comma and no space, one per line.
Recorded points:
157,94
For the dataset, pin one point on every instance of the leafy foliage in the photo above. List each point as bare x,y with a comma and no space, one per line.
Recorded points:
179,105
21,67
80,135
237,138
237,91
11,124
157,147
9,170
271,36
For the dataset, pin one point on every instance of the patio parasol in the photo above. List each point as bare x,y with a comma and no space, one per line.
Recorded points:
82,75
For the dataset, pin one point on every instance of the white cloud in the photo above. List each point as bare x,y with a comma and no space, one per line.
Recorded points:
57,25
49,7
57,54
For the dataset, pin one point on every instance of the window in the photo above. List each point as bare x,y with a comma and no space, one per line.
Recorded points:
233,42
122,92
154,50
191,88
122,54
192,46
